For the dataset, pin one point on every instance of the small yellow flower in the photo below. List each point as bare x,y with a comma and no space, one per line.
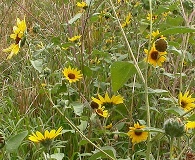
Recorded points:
136,133
186,101
101,112
127,20
108,126
82,5
45,138
154,17
72,75
75,38
155,57
190,125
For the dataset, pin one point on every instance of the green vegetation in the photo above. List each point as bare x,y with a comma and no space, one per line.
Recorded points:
89,80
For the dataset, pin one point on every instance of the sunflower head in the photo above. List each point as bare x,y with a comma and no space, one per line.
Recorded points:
101,112
46,138
82,5
155,57
174,127
75,39
161,45
94,105
108,101
186,101
137,134
72,74
190,125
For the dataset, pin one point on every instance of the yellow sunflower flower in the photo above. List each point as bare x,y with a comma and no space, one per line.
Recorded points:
190,125
107,101
45,138
127,20
74,39
82,5
101,112
186,101
155,57
72,74
154,17
13,48
18,35
136,133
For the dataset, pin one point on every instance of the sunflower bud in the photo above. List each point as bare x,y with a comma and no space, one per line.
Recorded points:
174,127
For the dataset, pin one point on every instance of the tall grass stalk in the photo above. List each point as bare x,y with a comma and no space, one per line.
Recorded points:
144,80
80,133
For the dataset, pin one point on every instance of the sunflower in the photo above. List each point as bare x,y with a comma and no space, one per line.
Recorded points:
18,36
136,133
161,44
107,101
101,112
71,74
127,20
190,125
82,5
186,101
74,39
45,139
154,17
155,57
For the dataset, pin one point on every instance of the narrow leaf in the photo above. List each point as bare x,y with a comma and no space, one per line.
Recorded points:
75,18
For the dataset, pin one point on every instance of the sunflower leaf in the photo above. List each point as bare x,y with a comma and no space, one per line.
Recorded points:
75,18
14,142
120,73
176,30
37,64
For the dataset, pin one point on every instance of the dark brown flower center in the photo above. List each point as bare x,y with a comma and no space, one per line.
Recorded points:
138,133
161,45
71,76
99,111
183,104
17,40
154,55
94,105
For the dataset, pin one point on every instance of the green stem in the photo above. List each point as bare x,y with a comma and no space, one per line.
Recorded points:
84,135
75,127
131,54
171,148
148,151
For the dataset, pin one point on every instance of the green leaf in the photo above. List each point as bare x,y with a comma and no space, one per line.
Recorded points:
14,142
56,40
78,108
191,118
175,110
83,125
108,149
75,18
176,30
152,129
37,64
157,91
120,73
57,156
